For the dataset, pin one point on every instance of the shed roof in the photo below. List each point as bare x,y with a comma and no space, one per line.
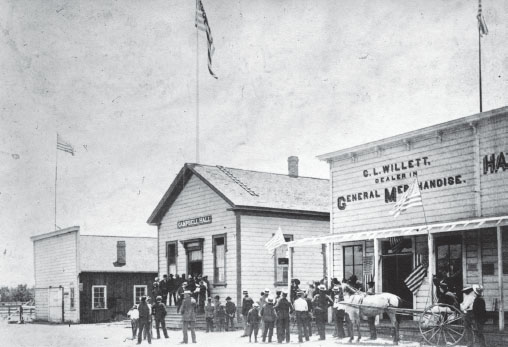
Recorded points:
252,190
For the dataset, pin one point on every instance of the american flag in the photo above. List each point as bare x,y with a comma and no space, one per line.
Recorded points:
396,244
276,241
482,26
415,279
411,197
63,145
202,24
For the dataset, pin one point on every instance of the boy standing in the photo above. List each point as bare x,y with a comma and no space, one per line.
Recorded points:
209,314
230,314
253,319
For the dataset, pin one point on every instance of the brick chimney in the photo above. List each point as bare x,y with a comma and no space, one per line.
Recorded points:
293,166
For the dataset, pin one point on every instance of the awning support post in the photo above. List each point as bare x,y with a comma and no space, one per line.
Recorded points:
500,276
290,269
432,263
377,272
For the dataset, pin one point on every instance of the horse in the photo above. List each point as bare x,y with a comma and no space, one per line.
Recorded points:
363,304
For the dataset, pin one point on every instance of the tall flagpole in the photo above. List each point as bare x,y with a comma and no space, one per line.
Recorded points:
56,172
480,63
197,87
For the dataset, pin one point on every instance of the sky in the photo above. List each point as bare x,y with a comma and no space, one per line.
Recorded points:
119,80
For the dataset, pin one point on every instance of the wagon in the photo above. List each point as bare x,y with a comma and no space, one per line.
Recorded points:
439,324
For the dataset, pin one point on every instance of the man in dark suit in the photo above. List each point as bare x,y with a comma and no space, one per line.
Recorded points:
188,316
159,313
284,309
144,320
247,303
164,288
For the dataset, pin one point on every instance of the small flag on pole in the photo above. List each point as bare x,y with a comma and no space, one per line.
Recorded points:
202,24
276,241
415,279
411,197
482,26
63,145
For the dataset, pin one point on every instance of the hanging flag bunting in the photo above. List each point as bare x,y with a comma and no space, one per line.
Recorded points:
415,279
63,145
481,21
276,241
202,24
411,197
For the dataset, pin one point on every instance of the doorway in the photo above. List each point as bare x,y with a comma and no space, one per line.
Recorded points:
194,251
449,263
396,268
55,305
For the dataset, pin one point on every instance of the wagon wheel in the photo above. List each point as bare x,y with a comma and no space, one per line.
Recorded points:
442,325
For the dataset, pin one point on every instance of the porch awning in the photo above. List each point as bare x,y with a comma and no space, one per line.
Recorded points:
404,231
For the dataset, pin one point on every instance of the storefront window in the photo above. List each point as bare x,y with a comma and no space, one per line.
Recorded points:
449,262
282,262
219,251
353,261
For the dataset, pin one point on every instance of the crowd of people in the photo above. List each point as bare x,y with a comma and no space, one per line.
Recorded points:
275,312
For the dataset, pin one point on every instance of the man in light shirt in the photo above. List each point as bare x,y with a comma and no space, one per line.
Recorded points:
302,312
134,316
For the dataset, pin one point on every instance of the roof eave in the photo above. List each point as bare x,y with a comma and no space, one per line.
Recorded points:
420,132
281,210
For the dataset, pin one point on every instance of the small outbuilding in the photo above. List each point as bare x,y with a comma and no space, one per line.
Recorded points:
90,278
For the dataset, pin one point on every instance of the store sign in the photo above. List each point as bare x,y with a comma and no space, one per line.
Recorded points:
393,172
494,162
194,222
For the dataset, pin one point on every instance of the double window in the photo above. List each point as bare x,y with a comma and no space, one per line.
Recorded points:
99,298
282,263
219,259
353,261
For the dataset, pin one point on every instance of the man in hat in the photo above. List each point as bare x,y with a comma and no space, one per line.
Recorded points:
268,316
209,314
188,316
247,303
181,290
172,287
301,309
134,316
230,314
338,309
308,321
159,313
164,288
476,314
144,320
321,302
283,309
262,303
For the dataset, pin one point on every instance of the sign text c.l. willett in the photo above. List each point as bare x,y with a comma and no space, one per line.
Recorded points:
194,222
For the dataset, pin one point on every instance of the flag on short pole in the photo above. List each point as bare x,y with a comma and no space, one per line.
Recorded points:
202,24
482,26
415,279
411,197
276,241
63,145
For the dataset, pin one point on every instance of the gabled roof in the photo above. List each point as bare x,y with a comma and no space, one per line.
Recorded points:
252,190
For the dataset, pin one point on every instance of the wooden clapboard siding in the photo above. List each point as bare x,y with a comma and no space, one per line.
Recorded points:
422,296
258,267
55,260
198,199
451,156
119,293
494,186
